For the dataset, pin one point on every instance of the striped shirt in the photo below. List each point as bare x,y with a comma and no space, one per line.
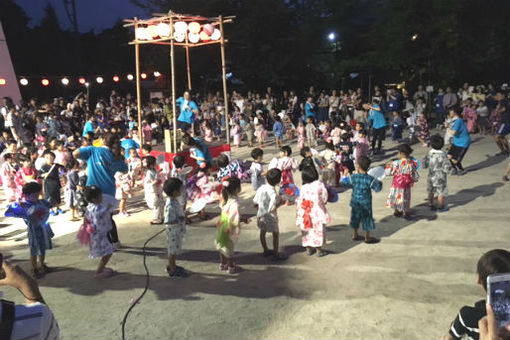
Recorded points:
34,322
466,322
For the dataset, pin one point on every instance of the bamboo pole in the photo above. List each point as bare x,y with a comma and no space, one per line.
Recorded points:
138,89
188,67
224,76
172,67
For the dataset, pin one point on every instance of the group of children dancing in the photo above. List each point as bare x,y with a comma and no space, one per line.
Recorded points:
344,162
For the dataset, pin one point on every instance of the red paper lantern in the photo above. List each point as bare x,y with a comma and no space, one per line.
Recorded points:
45,82
3,82
116,79
82,81
143,75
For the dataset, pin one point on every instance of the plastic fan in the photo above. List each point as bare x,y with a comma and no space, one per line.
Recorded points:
377,172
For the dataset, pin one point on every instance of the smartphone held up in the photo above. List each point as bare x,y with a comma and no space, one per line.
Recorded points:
498,295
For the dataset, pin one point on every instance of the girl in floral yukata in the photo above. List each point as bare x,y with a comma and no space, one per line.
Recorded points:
312,215
404,175
229,224
99,222
199,187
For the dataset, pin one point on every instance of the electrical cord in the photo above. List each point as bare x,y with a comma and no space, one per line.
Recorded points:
147,279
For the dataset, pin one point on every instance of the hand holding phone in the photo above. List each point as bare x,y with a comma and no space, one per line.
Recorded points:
498,296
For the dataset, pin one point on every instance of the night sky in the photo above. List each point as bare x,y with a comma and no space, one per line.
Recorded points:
92,14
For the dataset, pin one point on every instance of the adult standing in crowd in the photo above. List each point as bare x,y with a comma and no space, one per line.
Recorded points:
310,108
378,122
187,111
503,110
103,163
449,99
439,108
461,140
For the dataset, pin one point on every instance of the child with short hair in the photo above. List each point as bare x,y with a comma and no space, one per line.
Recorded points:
312,215
35,213
153,191
362,185
98,216
177,171
397,127
71,186
256,169
278,130
249,129
229,225
25,174
199,187
307,160
268,200
175,225
496,261
260,131
228,168
287,164
404,175
50,172
439,167
423,134
361,146
311,132
236,134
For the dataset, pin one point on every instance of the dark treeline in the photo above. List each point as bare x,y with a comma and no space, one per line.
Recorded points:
283,43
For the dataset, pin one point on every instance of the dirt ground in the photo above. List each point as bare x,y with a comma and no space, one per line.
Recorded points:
410,285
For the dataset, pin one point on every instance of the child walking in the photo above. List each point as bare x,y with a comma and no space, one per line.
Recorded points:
98,216
260,131
236,134
362,185
8,173
181,173
278,131
229,225
268,200
330,160
153,190
35,213
25,174
249,129
439,167
175,225
423,134
287,165
404,175
312,215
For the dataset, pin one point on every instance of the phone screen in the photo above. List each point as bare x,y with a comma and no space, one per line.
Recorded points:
500,302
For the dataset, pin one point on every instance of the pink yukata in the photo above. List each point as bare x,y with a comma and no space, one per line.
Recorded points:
8,181
287,165
301,137
470,116
236,135
312,215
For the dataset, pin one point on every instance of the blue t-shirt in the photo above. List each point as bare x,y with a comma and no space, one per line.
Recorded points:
102,166
89,127
308,110
127,144
186,115
278,129
203,154
461,137
377,117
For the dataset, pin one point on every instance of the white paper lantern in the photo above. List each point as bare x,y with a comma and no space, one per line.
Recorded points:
141,33
216,35
194,38
163,30
179,36
181,27
194,27
152,31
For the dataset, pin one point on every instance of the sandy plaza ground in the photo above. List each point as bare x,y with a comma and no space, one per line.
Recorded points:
410,285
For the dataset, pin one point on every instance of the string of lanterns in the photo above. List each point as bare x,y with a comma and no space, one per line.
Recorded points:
65,81
193,31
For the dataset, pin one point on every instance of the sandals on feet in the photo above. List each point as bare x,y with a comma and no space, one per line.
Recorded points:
358,238
45,269
310,252
104,274
322,253
279,257
372,240
36,273
267,253
153,222
223,267
234,270
178,272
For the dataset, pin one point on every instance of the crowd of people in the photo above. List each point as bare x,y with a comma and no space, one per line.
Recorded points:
97,162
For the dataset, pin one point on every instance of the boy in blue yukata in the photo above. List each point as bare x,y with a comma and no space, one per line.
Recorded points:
362,185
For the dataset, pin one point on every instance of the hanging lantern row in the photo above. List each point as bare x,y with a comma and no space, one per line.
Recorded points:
65,81
194,31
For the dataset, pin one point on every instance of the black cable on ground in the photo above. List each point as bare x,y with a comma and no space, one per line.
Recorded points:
147,279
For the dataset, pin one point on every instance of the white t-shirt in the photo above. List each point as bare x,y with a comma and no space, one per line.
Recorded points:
34,322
